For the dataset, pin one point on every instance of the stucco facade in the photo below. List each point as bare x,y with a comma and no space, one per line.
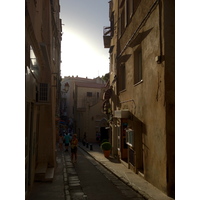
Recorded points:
42,92
142,70
83,103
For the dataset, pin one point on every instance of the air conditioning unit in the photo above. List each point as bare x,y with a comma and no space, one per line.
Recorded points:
121,113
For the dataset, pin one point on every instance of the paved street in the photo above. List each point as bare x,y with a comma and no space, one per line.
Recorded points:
87,179
93,177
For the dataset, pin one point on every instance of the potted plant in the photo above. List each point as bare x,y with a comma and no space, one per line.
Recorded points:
106,147
104,140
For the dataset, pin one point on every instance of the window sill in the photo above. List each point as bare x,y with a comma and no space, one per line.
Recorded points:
138,83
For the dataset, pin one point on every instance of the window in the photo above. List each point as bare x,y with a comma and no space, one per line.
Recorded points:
112,24
133,6
111,62
43,95
122,77
130,137
89,94
118,138
54,49
34,66
128,8
137,65
122,23
126,13
119,27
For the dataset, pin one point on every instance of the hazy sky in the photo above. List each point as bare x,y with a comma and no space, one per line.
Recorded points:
83,51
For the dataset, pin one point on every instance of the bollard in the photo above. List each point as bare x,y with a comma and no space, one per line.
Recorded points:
87,145
91,148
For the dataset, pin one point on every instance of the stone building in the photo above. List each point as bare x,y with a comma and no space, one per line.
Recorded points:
42,92
83,106
141,94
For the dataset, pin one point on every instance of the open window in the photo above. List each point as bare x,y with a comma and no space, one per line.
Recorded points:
138,65
34,66
122,77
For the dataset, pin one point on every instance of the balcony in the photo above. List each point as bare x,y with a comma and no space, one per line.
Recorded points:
107,36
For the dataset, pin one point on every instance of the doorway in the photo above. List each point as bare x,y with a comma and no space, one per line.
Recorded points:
104,133
124,146
28,144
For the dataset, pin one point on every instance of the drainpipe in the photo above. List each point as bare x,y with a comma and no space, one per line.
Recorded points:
160,31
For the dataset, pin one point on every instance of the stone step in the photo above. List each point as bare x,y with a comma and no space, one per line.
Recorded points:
40,172
49,174
41,168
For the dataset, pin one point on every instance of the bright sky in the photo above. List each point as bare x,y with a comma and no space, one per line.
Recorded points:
83,51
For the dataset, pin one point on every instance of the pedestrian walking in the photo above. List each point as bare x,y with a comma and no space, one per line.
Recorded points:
60,142
84,140
67,141
74,145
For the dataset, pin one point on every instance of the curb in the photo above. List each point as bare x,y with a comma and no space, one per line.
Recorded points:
146,196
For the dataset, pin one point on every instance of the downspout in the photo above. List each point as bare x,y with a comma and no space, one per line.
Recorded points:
160,30
117,49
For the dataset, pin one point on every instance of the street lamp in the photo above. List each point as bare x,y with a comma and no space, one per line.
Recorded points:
63,107
66,87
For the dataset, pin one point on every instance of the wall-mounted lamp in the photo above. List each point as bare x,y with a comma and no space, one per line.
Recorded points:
66,87
158,59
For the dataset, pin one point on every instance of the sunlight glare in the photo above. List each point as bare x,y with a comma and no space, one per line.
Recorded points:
81,58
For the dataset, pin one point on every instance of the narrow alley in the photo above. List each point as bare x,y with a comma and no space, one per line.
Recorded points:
93,177
129,109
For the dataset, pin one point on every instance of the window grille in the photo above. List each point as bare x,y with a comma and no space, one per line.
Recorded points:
43,92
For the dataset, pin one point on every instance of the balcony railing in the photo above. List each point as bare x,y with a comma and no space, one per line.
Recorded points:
107,36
